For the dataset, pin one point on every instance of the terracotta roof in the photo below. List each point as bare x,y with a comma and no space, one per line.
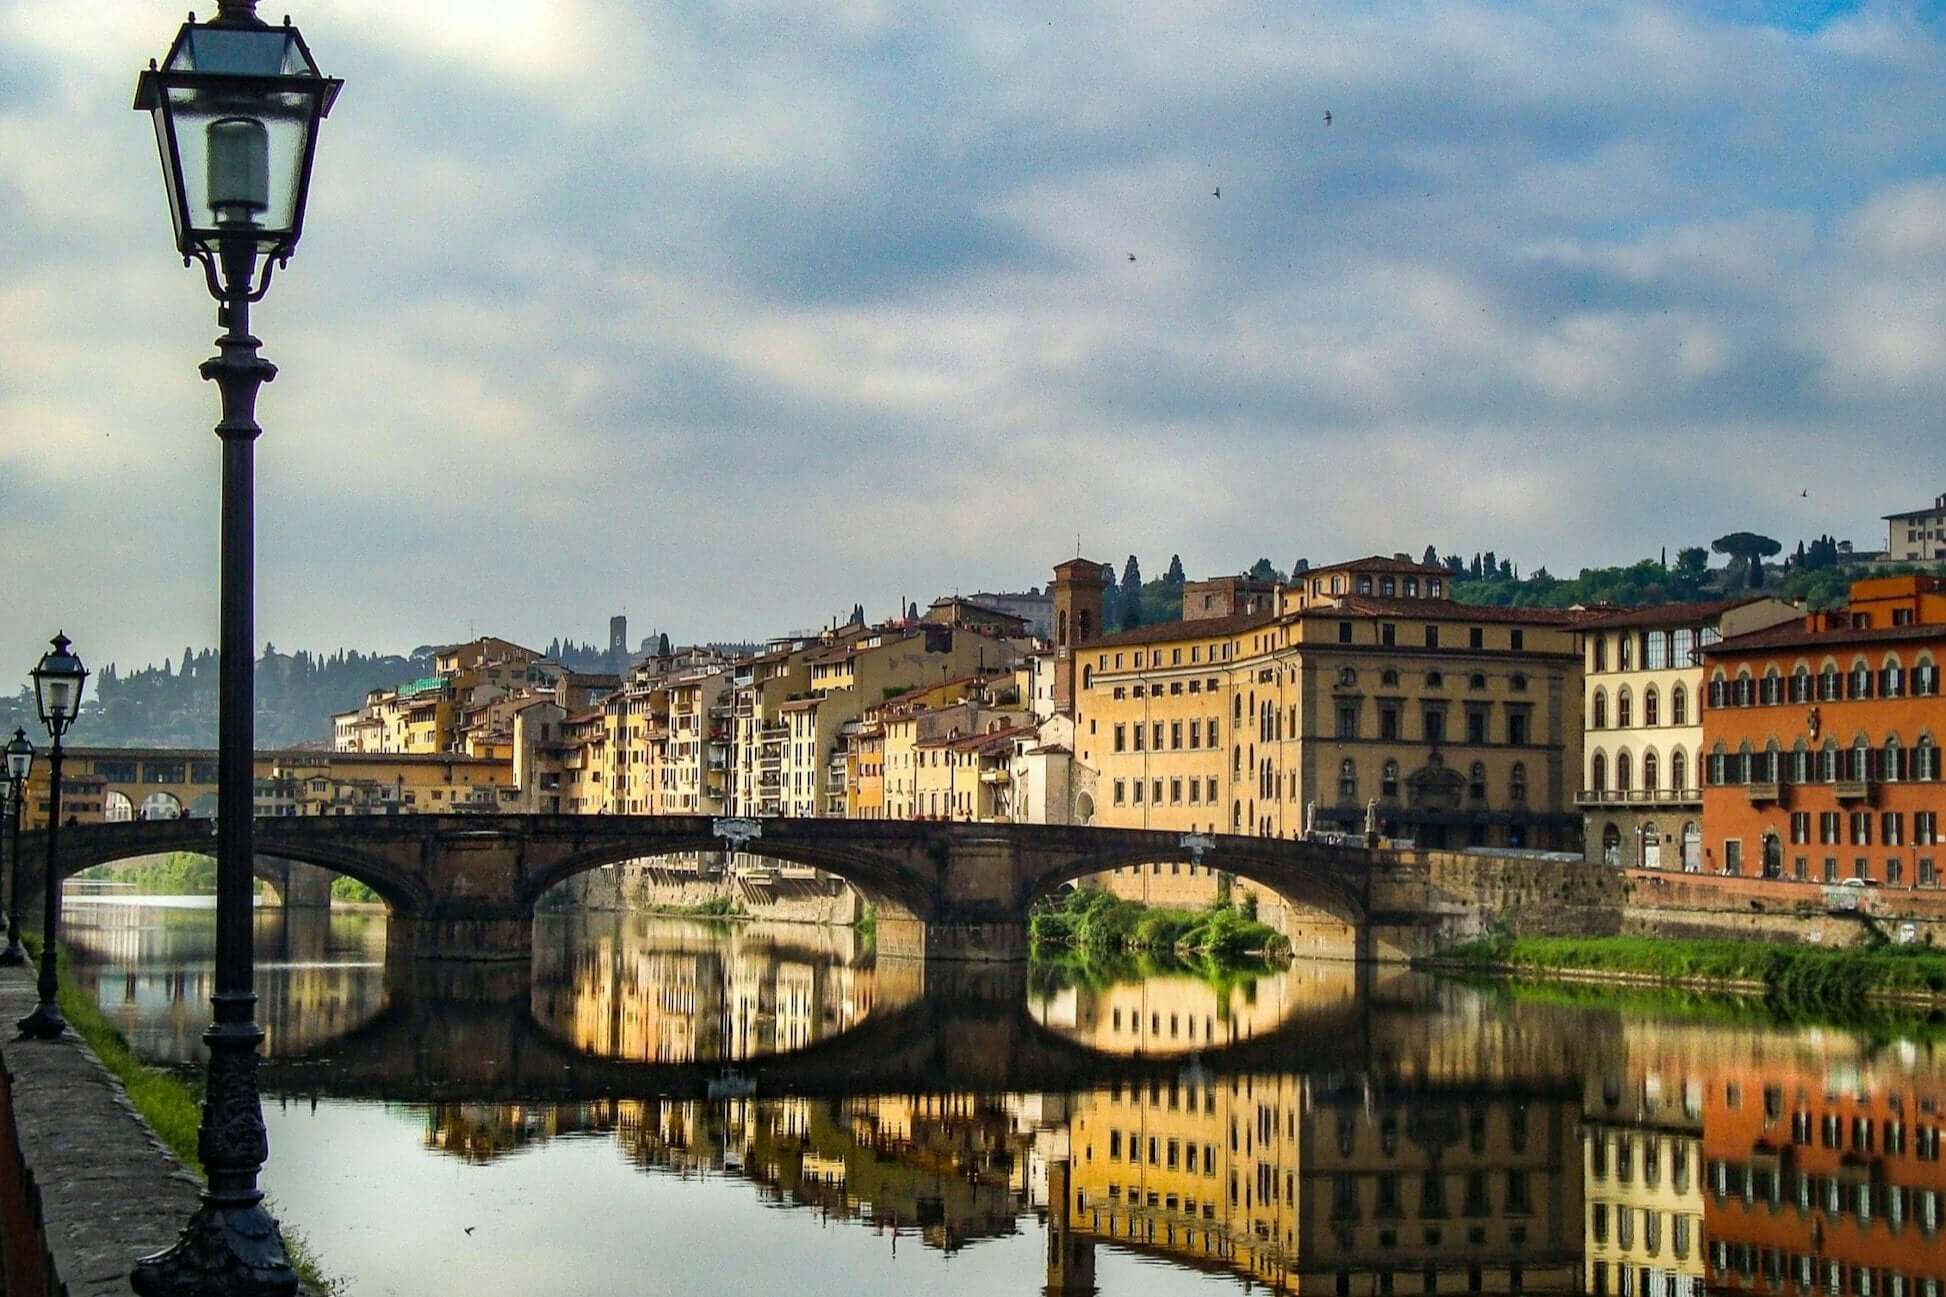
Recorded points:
1376,563
1670,614
1163,631
800,705
1446,610
1792,634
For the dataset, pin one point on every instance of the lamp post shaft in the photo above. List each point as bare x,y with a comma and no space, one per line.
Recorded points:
231,1245
46,1022
13,954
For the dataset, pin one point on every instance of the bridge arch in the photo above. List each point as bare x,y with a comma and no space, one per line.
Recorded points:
1315,887
879,877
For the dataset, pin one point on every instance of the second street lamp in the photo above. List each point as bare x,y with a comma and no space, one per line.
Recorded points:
20,763
58,680
236,106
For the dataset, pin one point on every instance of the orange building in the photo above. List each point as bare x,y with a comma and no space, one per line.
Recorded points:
1821,742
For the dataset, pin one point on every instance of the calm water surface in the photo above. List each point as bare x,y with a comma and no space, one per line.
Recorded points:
657,1106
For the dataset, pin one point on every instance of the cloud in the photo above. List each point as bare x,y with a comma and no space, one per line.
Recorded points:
736,315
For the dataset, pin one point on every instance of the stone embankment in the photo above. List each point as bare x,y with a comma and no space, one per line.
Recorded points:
85,1185
776,895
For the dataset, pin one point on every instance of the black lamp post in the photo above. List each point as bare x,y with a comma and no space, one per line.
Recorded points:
20,763
236,106
57,691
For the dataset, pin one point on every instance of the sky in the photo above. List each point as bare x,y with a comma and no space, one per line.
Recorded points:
732,316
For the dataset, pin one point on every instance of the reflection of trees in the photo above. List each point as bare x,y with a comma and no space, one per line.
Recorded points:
1129,1007
674,992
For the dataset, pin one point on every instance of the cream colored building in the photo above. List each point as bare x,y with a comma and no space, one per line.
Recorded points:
1642,713
1918,535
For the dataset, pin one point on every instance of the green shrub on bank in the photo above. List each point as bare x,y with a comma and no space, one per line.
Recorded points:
1090,918
1810,974
346,888
170,1102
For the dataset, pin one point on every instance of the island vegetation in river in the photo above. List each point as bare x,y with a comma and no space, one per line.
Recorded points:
1089,918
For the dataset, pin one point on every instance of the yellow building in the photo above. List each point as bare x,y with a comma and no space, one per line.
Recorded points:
1442,723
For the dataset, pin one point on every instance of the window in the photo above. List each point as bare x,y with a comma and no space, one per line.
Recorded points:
1517,784
1598,773
1678,706
1732,856
1121,792
1348,721
1387,633
1650,770
1517,640
1388,722
1389,780
1476,725
1651,706
1140,785
1517,682
1432,637
1121,737
1516,725
1624,708
1622,783
1347,781
1344,632
1678,770
1476,637
1435,722
1476,782
1861,828
1600,721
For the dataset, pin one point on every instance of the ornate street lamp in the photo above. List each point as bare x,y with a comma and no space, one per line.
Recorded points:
58,679
236,106
20,763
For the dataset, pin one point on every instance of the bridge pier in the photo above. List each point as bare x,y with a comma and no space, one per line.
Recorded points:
971,939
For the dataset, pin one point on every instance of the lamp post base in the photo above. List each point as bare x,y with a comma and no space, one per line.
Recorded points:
223,1252
13,956
44,1023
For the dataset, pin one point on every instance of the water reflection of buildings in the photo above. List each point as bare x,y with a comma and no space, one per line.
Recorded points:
319,975
671,992
1185,1014
1764,1161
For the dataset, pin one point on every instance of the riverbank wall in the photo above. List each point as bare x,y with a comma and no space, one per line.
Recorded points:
773,895
86,1187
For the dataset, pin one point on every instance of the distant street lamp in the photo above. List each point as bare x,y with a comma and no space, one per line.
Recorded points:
58,679
20,763
236,106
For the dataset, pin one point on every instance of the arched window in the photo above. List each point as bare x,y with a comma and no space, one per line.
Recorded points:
1621,772
1891,765
1476,681
1719,771
1773,688
1624,708
1476,781
1925,677
1746,763
1773,767
1347,780
1678,770
1598,773
1679,706
1829,682
1861,680
1891,678
1651,706
1828,762
1651,770
1087,677
1861,759
1746,689
1925,759
1236,710
1517,682
1611,846
1719,690
1601,652
1389,678
1435,679
1517,784
1389,780
1801,763
1601,709
1801,684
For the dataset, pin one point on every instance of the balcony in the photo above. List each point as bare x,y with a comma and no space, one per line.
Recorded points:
1852,790
1770,792
1639,797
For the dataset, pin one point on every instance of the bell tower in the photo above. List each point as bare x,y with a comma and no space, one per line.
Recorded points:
1078,591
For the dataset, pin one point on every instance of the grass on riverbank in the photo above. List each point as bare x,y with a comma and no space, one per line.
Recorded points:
1811,975
171,1102
1090,918
1055,968
1878,1022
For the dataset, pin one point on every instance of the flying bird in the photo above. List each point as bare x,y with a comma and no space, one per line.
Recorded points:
471,1228
1217,192
1806,493
1131,256
1327,117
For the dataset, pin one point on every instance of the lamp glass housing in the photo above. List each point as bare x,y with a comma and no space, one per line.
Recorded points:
58,680
236,110
20,757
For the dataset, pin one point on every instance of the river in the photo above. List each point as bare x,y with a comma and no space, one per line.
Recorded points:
664,1106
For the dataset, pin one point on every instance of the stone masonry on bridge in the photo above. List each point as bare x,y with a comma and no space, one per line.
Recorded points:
466,887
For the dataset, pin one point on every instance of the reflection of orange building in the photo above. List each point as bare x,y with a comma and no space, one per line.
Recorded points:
1823,1180
1821,741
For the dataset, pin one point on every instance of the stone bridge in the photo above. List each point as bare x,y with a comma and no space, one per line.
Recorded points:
466,886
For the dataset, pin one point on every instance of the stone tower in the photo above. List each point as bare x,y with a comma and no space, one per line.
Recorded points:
1077,590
